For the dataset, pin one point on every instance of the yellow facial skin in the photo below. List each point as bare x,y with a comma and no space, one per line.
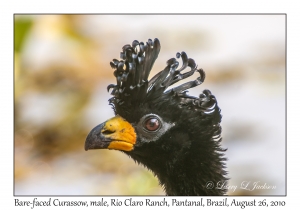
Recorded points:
120,132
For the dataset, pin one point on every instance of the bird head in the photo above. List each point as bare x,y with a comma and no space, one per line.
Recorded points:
175,135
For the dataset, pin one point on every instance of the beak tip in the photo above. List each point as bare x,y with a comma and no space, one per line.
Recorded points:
86,147
92,138
95,139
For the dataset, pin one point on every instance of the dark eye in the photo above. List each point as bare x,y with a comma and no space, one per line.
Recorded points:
152,124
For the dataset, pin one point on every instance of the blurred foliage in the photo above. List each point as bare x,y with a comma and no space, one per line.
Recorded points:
21,28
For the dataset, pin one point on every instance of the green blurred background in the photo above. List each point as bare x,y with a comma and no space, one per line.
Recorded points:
62,69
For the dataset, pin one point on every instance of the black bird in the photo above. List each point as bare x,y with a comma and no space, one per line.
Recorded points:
173,134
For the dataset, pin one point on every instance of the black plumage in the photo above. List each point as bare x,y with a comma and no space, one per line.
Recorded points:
174,135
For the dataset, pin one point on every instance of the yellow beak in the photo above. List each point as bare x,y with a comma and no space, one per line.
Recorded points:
116,133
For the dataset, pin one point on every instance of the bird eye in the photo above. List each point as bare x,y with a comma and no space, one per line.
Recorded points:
152,124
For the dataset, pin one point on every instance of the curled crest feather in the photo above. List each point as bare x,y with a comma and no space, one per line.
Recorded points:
133,87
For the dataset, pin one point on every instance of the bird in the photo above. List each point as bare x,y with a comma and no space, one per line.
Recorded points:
159,125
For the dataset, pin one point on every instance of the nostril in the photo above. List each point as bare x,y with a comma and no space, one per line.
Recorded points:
107,132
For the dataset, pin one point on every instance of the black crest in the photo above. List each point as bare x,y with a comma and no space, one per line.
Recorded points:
134,88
